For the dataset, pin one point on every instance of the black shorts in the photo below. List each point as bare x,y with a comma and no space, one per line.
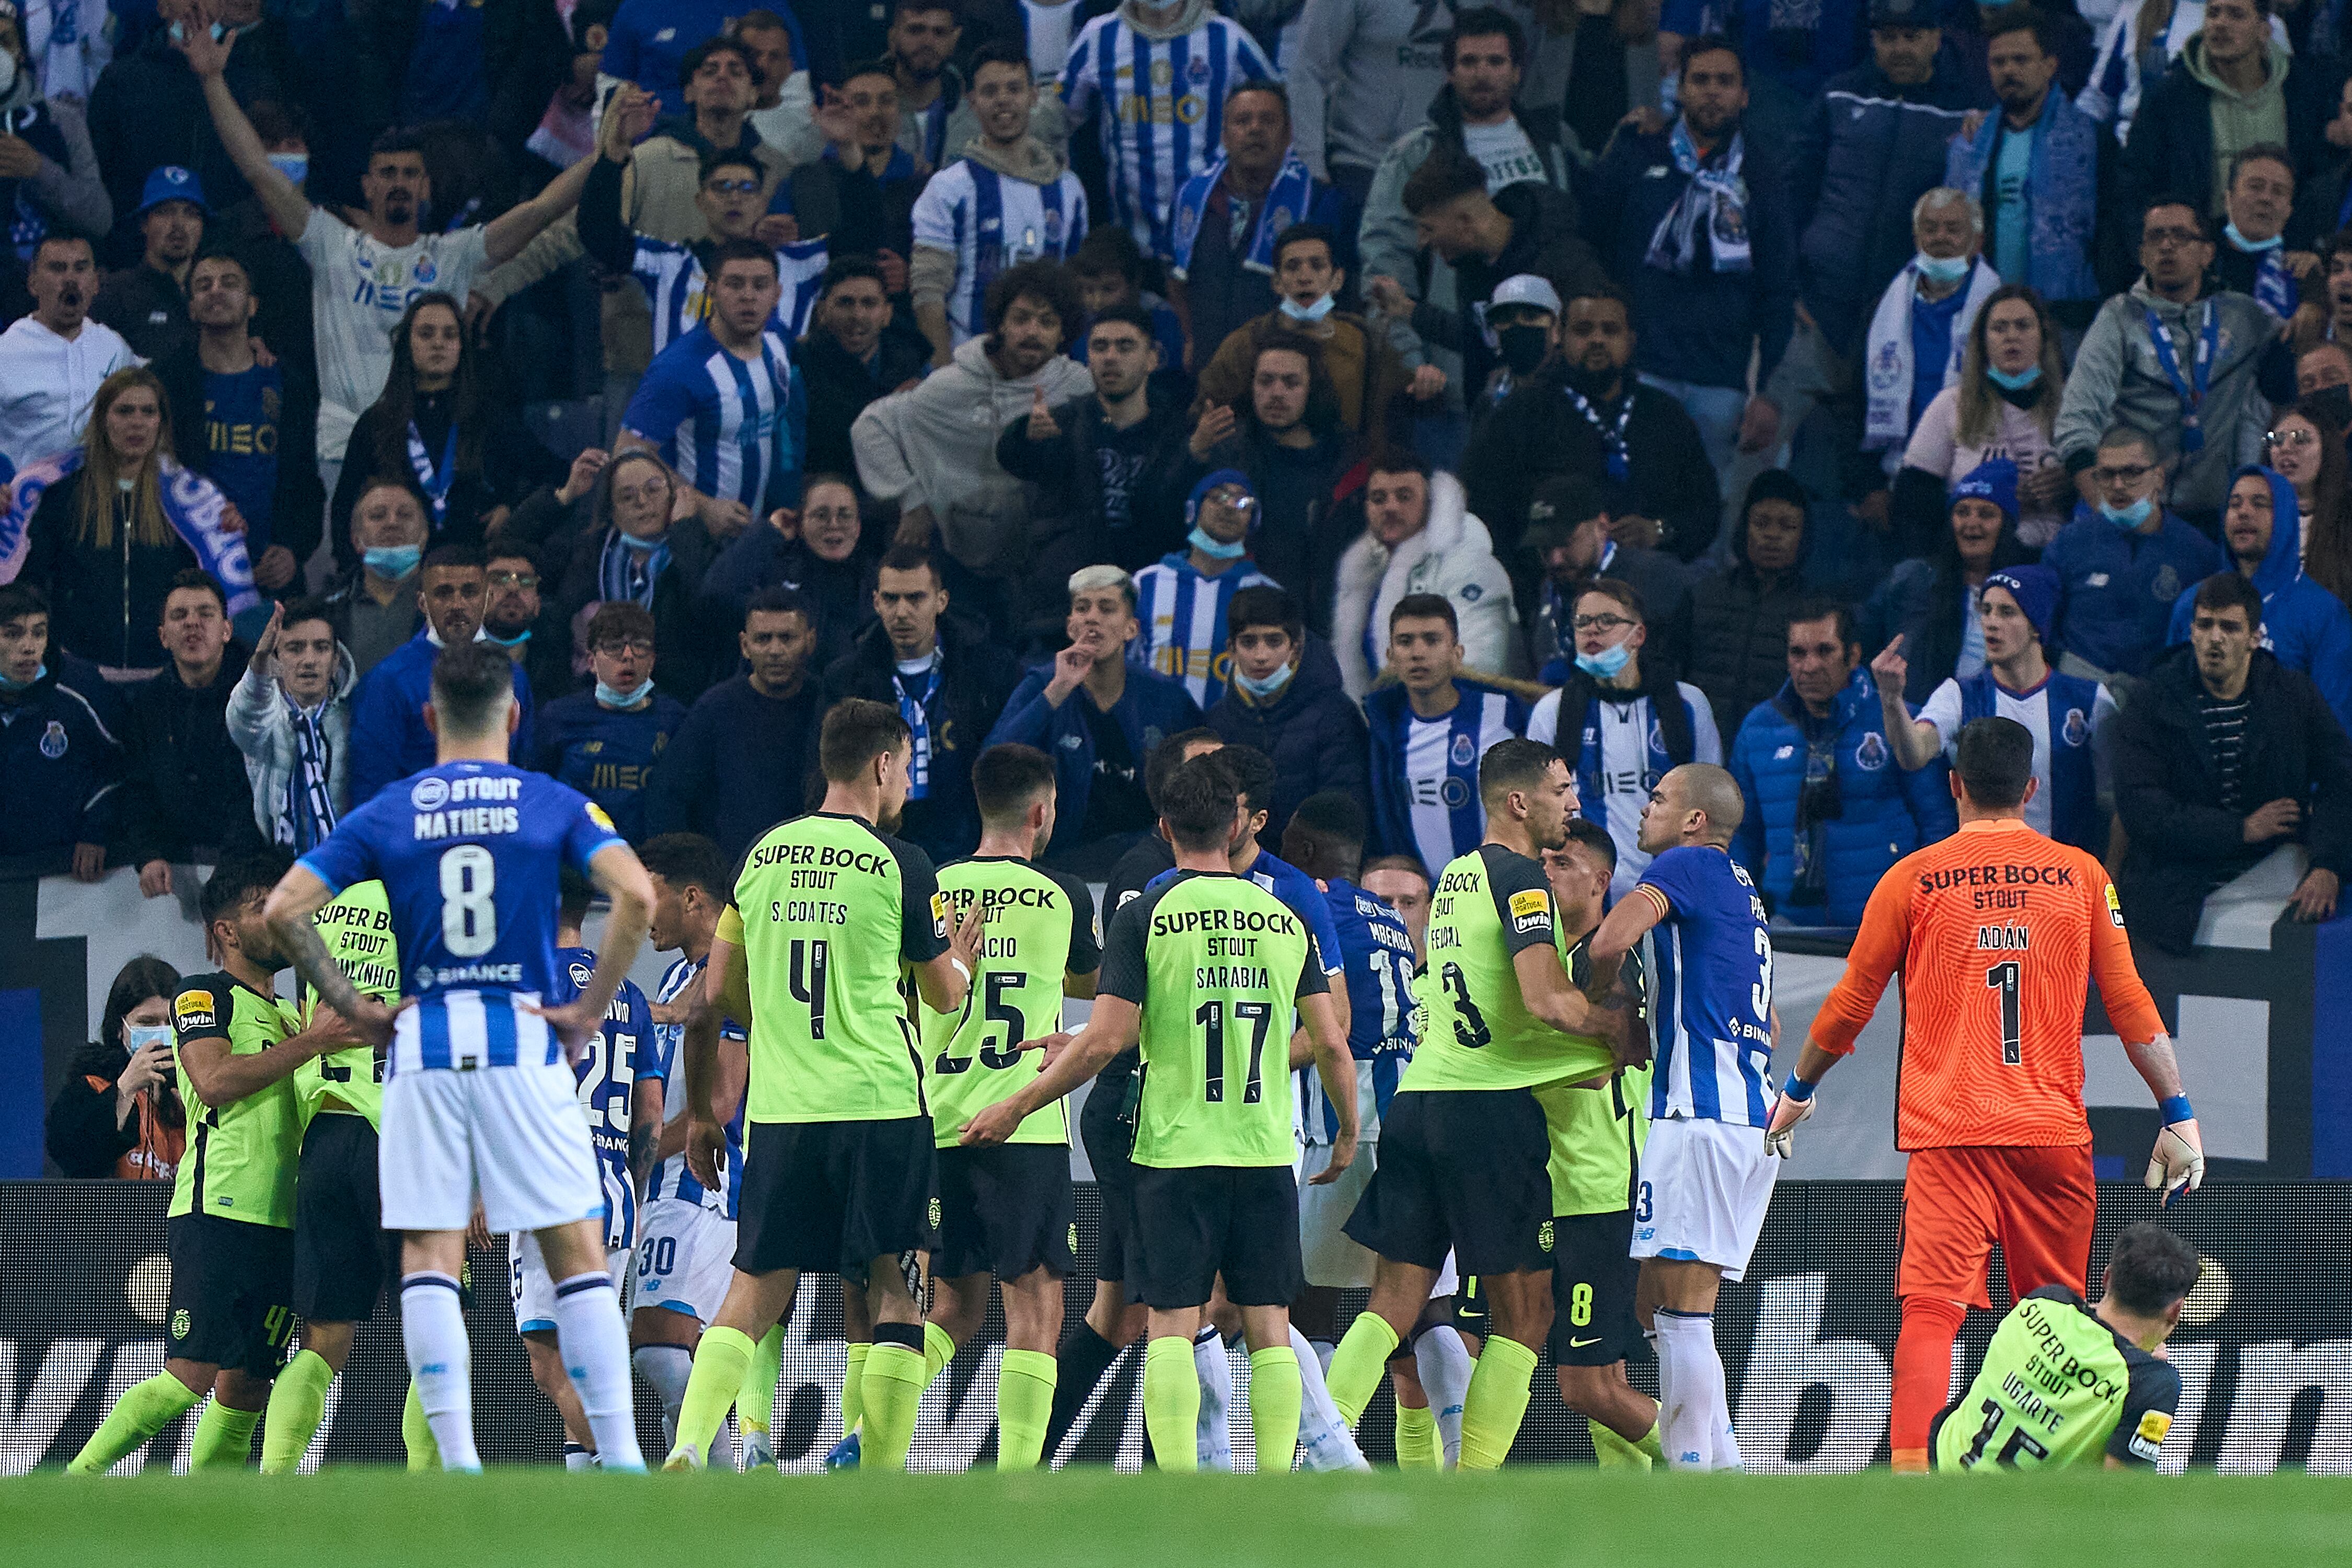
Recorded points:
1004,1211
343,1256
1109,1136
232,1292
1593,1279
1470,1306
833,1196
1196,1222
1465,1169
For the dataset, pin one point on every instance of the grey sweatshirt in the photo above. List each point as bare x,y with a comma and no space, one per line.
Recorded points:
1367,69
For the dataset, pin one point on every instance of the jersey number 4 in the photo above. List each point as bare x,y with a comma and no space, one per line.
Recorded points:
808,966
1211,1017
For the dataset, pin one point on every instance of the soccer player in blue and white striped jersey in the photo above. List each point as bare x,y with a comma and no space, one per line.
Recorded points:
1010,198
1181,599
1160,88
724,404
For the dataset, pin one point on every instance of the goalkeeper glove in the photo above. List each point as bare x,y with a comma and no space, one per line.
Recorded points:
2177,1165
1796,1103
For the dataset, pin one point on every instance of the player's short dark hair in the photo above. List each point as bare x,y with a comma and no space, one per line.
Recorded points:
1715,44
719,158
2151,1268
2225,589
619,619
1593,837
845,269
720,45
1164,758
1334,816
1994,757
392,140
1425,606
1512,763
995,52
1820,607
309,608
470,682
742,250
856,69
1252,771
1593,286
1107,250
912,558
1263,604
222,253
777,600
2258,153
1046,282
855,732
454,557
18,600
1485,22
1126,315
1446,173
200,581
1005,778
1306,234
573,893
901,7
1627,596
1198,802
238,879
685,860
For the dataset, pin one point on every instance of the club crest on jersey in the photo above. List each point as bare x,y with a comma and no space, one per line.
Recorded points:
1465,749
180,1324
1544,1236
1871,755
430,794
53,740
1198,70
2077,728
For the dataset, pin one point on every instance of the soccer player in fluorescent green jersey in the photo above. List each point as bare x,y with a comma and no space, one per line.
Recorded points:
1464,1154
837,1160
1597,1132
1202,973
1007,1210
231,1228
2063,1384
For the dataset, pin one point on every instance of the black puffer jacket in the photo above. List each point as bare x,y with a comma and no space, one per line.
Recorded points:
187,786
1734,631
1314,734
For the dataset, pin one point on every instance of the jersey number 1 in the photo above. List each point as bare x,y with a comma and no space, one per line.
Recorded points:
2004,977
1211,1017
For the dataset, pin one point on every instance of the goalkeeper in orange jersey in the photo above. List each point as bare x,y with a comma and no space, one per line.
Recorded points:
1997,931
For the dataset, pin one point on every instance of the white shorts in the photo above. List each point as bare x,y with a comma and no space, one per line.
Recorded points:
534,1290
1334,1260
1704,1189
516,1136
686,1258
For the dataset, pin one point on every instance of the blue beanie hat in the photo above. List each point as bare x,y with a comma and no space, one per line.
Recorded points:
1994,479
2035,589
1211,482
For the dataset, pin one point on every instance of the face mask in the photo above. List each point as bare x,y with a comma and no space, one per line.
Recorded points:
1315,312
295,166
517,641
2013,381
2129,517
1262,689
642,545
1523,348
13,687
2252,246
1604,665
1941,268
393,561
180,32
2335,401
611,697
1216,548
142,1035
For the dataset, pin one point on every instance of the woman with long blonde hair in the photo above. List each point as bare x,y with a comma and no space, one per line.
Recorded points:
2003,405
100,544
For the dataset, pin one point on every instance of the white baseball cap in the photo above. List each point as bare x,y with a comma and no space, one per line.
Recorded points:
1525,288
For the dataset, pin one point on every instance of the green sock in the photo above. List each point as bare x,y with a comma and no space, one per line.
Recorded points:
144,1409
1651,1445
939,1349
298,1402
720,1363
1273,1400
893,1388
1612,1452
1416,1439
1358,1366
223,1439
1024,1406
755,1407
1172,1402
417,1433
853,1388
1497,1401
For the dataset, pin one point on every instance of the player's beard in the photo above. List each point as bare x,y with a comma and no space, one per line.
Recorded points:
890,818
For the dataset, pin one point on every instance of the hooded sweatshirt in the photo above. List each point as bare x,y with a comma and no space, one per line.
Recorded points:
934,445
2304,624
2241,120
1452,555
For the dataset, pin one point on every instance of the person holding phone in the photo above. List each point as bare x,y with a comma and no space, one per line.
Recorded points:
117,1113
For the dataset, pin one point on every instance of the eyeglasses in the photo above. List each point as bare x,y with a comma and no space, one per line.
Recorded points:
642,647
514,579
2291,437
2159,238
1602,624
2131,475
733,188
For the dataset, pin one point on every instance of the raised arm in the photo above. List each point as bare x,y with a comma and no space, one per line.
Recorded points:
207,56
1114,1025
507,233
221,1076
1916,742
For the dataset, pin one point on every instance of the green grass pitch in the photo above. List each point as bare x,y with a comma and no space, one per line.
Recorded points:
346,1518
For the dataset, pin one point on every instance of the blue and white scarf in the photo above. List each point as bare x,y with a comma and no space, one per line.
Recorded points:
1718,196
626,573
191,505
915,708
435,478
309,813
1286,202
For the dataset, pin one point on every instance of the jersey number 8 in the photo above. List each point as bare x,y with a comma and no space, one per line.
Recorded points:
469,918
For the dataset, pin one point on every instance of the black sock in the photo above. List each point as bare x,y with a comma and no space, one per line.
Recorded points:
1080,1362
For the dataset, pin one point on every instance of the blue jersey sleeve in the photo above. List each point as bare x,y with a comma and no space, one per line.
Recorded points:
1307,900
591,830
349,855
664,400
1675,874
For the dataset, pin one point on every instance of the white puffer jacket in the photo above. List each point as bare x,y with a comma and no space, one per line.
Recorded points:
1453,556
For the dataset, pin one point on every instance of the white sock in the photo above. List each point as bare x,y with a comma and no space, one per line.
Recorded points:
1692,1370
433,1330
576,1458
665,1369
1324,1351
1444,1364
596,1345
1216,1369
1665,1385
1329,1444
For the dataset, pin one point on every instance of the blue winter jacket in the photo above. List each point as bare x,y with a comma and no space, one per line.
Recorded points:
2116,586
1151,709
1885,812
61,753
389,740
2304,624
